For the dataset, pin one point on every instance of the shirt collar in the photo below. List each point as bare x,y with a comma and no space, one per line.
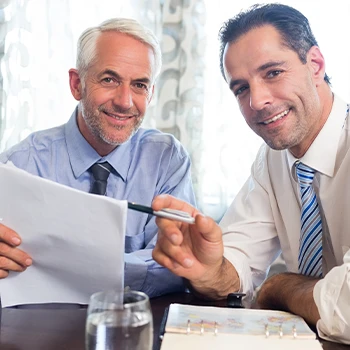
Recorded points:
82,155
322,154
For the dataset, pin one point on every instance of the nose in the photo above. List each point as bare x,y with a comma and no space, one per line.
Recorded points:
260,96
123,97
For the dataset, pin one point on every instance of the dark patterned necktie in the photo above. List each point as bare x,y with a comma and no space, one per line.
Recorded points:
310,251
100,172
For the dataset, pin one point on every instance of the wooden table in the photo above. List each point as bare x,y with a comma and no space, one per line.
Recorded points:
42,329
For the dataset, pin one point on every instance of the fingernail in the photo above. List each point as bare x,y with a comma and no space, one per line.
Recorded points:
173,239
188,262
28,262
16,240
203,216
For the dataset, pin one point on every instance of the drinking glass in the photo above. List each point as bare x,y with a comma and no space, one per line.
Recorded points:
119,320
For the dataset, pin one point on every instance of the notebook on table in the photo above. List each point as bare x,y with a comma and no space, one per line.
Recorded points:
205,327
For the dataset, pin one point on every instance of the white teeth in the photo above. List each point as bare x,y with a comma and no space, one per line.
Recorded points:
118,118
276,117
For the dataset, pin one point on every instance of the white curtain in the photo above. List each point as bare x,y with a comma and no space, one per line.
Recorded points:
37,48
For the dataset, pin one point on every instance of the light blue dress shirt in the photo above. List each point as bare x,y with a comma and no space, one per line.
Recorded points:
149,164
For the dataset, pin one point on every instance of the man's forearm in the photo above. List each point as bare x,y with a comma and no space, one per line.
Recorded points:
217,284
290,292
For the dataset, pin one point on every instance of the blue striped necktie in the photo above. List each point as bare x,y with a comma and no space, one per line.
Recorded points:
310,249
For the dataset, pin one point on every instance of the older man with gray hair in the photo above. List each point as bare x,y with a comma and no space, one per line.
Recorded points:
117,65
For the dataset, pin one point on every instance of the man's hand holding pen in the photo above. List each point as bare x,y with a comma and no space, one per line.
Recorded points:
194,252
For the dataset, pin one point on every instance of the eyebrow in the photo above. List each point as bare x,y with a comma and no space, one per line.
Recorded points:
259,69
118,77
270,65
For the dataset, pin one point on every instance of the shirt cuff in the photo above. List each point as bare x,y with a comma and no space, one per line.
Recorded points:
142,273
135,271
243,271
332,295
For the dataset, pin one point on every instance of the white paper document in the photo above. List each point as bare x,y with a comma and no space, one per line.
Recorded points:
76,240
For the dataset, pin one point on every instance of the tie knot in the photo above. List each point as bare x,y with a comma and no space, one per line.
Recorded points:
101,171
305,174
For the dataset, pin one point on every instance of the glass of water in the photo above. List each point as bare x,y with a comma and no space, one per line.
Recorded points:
119,320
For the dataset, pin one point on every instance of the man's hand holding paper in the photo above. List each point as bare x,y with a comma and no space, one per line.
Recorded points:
12,258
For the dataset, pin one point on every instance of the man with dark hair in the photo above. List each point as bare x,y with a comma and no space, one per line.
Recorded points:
296,199
292,25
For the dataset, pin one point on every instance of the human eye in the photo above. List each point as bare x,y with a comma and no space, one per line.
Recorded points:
108,80
240,90
141,86
274,73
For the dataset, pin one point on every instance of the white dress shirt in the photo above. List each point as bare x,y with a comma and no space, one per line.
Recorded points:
264,218
332,296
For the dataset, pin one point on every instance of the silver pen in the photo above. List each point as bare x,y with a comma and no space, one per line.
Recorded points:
167,213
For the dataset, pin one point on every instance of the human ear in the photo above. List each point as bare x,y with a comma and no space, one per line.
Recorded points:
317,64
75,84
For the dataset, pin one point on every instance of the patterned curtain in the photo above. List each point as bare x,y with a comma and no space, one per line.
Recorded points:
38,44
38,41
180,88
192,101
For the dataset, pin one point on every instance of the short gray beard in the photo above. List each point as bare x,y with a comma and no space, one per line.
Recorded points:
96,129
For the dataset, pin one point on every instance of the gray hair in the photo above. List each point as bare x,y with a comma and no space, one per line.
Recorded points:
86,48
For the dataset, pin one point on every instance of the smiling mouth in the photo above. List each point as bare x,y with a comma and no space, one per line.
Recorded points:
276,117
125,117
